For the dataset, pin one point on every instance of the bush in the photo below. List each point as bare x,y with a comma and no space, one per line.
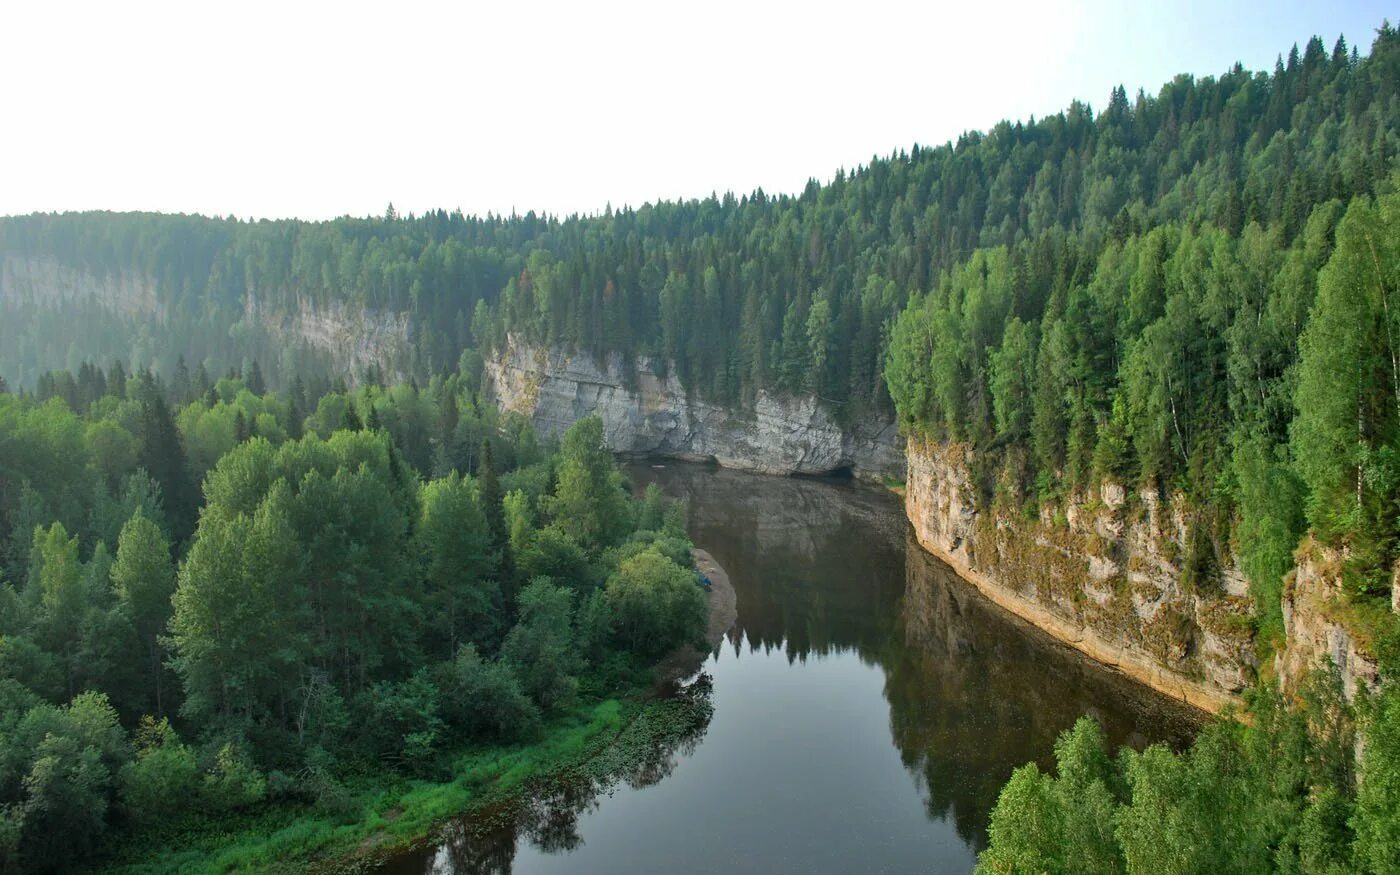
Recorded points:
163,778
483,699
554,555
392,712
233,782
675,548
656,604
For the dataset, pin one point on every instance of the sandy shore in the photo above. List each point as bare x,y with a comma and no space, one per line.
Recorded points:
685,661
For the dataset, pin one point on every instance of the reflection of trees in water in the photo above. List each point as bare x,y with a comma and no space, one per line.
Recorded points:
824,567
660,760
547,814
818,564
550,819
975,692
467,849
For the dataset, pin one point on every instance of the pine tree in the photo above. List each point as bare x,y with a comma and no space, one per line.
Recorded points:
493,507
296,408
163,457
351,420
116,380
253,379
180,386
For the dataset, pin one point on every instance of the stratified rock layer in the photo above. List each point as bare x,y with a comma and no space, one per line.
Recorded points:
647,414
1314,636
1103,577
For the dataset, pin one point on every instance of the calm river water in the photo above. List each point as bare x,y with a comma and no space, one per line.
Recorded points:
868,707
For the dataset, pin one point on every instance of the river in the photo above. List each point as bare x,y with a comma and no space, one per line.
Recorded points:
868,706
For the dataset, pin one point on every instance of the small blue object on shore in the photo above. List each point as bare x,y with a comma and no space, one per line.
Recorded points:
704,579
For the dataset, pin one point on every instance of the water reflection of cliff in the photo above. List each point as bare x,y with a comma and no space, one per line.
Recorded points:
975,692
823,566
818,564
825,569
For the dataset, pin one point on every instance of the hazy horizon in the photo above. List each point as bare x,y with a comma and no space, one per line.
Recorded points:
318,113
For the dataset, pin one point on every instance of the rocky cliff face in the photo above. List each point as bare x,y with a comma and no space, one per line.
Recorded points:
351,338
1104,577
646,414
1311,594
48,283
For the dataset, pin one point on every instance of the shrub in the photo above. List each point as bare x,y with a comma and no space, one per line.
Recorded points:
159,783
233,782
484,699
656,604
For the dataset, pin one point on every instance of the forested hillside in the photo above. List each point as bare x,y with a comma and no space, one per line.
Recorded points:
790,293
1194,295
365,587
1248,366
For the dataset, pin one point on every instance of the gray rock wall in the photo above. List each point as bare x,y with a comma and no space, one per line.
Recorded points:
1104,577
1312,633
645,414
48,283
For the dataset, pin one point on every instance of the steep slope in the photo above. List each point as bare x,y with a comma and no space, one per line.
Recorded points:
648,414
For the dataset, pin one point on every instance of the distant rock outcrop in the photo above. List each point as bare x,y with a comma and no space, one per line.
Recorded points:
647,414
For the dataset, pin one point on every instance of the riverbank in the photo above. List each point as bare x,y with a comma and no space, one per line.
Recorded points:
685,661
386,816
380,814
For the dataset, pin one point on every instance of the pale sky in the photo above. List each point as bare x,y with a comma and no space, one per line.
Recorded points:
311,109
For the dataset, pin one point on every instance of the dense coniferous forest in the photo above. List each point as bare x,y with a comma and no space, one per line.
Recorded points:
365,582
786,293
1196,292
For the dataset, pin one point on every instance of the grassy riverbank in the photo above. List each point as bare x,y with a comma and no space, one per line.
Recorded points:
378,814
382,813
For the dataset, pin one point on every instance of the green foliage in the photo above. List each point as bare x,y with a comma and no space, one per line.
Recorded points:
143,578
554,555
539,648
1270,526
454,546
1347,433
1059,824
1278,795
233,782
1377,817
484,699
589,504
160,782
64,762
656,605
331,616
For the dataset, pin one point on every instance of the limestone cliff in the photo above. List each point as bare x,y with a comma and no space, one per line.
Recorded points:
1103,577
346,336
1313,633
350,337
49,284
647,414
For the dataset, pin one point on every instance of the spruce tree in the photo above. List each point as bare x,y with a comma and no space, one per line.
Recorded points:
163,457
493,507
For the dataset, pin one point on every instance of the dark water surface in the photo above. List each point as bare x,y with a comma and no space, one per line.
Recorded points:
868,707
